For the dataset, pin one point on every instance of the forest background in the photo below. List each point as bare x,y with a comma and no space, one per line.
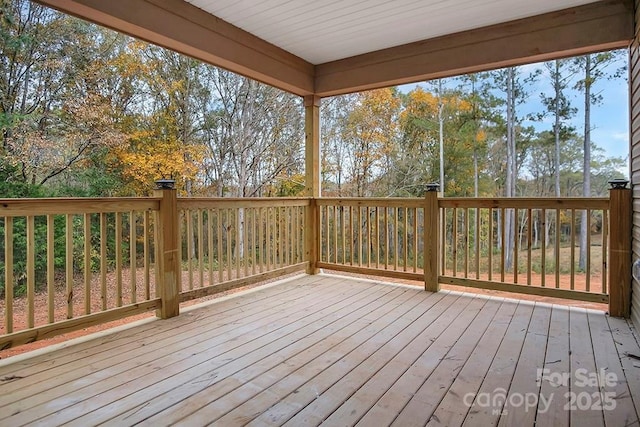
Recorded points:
85,111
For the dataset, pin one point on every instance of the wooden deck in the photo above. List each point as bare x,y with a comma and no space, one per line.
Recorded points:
339,351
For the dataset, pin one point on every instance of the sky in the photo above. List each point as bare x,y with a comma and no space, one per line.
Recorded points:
609,120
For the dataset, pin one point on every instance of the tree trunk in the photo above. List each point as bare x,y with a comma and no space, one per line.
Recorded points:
509,219
556,160
586,167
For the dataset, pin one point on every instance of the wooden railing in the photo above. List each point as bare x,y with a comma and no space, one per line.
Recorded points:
519,245
68,264
382,237
72,263
527,245
226,243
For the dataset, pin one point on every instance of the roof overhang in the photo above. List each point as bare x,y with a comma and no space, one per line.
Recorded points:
180,26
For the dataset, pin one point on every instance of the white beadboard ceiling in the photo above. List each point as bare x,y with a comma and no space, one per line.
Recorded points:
326,30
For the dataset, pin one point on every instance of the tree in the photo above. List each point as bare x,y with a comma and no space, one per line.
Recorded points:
334,112
559,108
52,116
480,120
370,133
593,68
417,152
512,84
254,136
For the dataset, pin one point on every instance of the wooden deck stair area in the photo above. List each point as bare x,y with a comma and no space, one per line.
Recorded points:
333,350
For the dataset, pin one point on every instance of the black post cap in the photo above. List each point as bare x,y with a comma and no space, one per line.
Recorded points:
433,186
165,184
618,183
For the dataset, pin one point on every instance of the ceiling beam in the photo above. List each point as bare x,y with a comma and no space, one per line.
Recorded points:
184,28
593,27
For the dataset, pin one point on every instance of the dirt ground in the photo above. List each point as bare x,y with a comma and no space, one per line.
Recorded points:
41,313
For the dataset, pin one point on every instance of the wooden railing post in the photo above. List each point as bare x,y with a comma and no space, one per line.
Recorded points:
167,256
312,180
431,240
312,236
620,249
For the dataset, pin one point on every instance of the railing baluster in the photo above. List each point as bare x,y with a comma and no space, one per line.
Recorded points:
369,244
31,270
529,243
246,241
277,247
359,225
68,264
516,243
118,249
261,239
415,239
476,242
210,245
465,241
268,238
285,235
295,234
189,237
87,264
572,242
146,254
490,244
132,256
254,231
543,248
279,233
405,239
301,232
238,238
386,238
503,243
351,235
220,232
290,235
342,235
557,247
454,242
200,234
588,262
103,260
396,238
229,235
8,274
326,237
182,231
51,288
605,252
335,234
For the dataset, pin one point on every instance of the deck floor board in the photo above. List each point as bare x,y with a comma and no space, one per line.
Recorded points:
337,351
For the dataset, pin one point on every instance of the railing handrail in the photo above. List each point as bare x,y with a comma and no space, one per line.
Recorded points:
526,202
75,205
245,202
409,202
473,202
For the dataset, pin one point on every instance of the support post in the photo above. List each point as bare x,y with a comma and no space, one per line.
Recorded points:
431,238
312,180
167,256
620,211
